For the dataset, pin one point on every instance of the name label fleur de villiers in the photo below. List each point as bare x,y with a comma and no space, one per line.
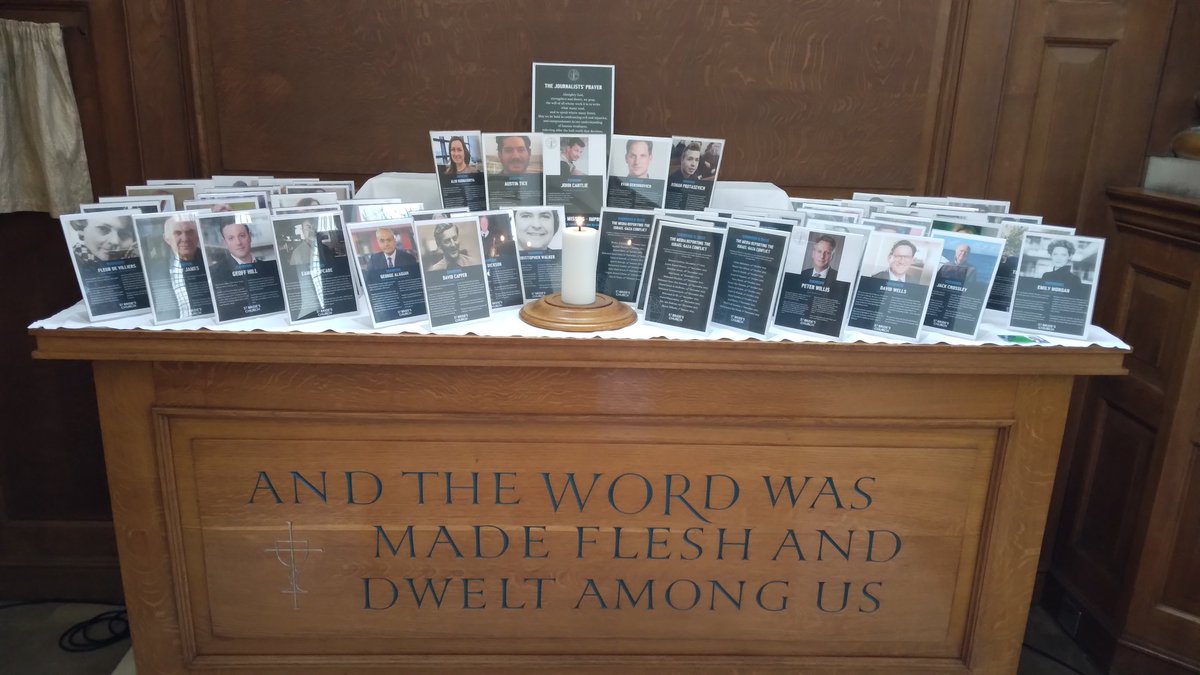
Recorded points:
690,536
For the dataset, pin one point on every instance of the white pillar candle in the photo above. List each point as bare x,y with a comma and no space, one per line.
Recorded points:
580,246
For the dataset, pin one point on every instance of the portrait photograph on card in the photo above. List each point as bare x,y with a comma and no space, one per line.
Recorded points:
683,276
500,258
317,279
108,263
637,172
1056,284
692,172
458,162
818,281
389,269
513,169
175,273
747,283
539,245
621,258
576,181
456,289
1013,233
243,271
963,280
894,282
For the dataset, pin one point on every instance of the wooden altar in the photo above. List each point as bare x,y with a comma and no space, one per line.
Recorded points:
314,503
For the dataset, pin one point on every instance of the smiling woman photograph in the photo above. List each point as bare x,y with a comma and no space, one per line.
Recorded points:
102,237
460,158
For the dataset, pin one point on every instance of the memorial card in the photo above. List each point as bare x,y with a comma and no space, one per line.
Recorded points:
238,181
684,276
1056,289
165,202
243,271
304,199
571,98
576,181
139,205
178,193
959,226
456,159
539,246
925,223
1013,234
220,204
818,282
894,282
342,189
624,244
693,172
368,210
864,231
456,289
317,280
261,196
108,263
984,205
637,172
389,269
997,218
829,214
174,267
896,227
748,281
513,169
962,283
894,200
500,258
438,214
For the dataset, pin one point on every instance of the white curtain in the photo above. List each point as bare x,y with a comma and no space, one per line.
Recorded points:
43,166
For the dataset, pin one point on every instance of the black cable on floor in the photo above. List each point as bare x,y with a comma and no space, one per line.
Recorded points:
1052,657
77,638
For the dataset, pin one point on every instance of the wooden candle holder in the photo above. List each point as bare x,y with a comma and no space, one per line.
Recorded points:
550,312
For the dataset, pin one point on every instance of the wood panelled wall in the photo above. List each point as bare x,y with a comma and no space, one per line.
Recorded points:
1044,102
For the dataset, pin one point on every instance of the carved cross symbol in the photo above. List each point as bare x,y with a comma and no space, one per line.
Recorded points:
286,552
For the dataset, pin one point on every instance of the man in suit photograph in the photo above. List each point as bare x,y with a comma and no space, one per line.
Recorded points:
900,260
389,256
238,242
821,256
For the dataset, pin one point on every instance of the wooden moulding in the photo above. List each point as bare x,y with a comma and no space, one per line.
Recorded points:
551,313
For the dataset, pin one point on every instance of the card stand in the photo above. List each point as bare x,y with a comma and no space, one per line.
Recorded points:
551,313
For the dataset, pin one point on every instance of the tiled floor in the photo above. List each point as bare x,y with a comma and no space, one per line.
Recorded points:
29,644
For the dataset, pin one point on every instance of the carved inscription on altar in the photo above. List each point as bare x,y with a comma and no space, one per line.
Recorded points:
794,539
